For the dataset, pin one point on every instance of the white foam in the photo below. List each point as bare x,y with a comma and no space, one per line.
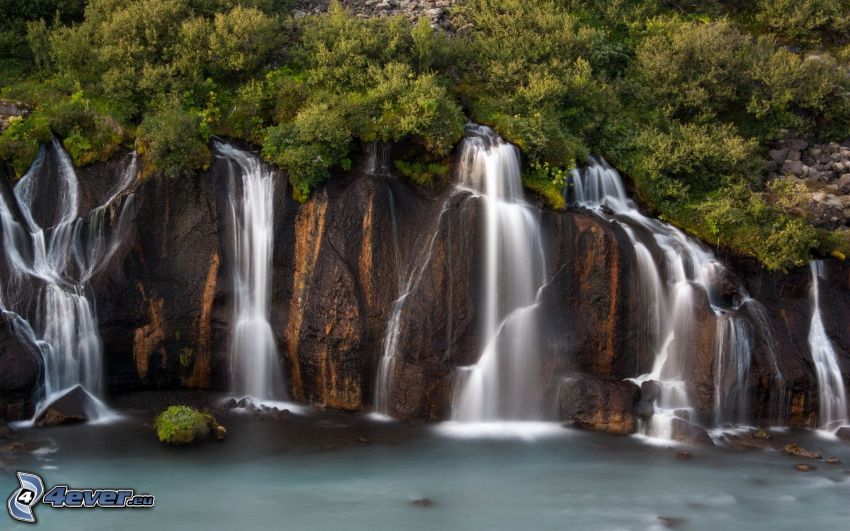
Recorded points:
525,431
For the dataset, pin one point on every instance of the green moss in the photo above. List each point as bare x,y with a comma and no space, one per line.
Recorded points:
183,425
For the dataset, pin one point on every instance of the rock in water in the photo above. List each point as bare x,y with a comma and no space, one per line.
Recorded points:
799,451
601,405
686,432
422,502
843,433
802,467
75,406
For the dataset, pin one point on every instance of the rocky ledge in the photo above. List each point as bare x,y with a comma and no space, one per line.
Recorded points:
435,11
821,176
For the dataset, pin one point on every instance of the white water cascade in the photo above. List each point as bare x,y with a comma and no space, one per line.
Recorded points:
255,370
669,297
832,412
49,265
503,384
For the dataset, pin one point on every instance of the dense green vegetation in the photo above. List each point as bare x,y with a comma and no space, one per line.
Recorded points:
684,97
180,425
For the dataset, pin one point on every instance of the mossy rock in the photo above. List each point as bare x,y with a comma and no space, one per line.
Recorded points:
180,425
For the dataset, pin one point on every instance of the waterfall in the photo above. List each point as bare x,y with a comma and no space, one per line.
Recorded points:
254,366
668,292
50,259
378,162
504,384
832,411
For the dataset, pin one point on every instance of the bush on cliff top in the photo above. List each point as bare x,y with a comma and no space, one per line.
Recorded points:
685,101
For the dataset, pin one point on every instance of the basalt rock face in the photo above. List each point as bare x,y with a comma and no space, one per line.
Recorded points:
21,368
363,247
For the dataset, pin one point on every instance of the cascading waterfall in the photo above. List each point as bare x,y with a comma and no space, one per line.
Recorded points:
254,366
832,411
670,302
378,162
503,384
49,265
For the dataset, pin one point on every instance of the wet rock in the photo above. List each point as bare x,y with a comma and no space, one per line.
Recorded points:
684,455
762,435
833,461
73,407
602,405
803,467
644,410
684,414
797,450
650,391
20,447
230,404
843,433
20,357
219,431
5,431
671,522
690,433
422,502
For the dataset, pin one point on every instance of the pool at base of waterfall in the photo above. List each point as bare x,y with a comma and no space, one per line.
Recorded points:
330,471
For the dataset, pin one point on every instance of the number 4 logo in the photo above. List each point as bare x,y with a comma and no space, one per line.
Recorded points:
21,501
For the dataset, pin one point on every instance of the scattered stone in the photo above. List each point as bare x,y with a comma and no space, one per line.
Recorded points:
422,502
833,461
219,431
803,467
73,407
688,433
363,440
797,450
684,455
671,522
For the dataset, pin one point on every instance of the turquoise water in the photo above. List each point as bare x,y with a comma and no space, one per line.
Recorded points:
351,473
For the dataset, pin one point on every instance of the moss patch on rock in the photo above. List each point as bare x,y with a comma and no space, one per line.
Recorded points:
180,425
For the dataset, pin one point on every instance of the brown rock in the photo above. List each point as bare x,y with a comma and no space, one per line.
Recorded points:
602,405
671,522
690,433
796,450
833,461
72,407
802,467
422,502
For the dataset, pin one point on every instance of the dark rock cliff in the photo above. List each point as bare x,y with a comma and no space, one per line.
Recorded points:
343,258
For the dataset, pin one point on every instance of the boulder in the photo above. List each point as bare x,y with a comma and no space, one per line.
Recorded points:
650,391
843,433
74,406
688,433
20,357
602,405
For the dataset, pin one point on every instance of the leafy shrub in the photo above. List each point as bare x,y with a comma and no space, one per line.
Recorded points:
20,141
174,142
421,173
309,146
183,425
806,22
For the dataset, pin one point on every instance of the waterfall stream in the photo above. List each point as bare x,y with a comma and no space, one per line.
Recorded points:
669,297
254,366
832,411
504,383
51,254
